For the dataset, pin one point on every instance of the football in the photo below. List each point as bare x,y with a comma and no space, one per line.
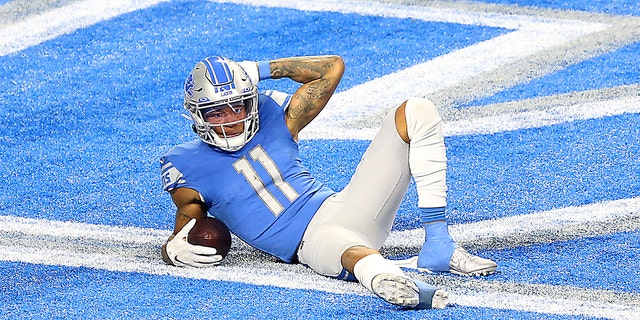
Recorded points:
211,232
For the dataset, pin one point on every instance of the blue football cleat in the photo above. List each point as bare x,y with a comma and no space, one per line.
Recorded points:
461,263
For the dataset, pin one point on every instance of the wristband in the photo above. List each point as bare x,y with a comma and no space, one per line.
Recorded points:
264,70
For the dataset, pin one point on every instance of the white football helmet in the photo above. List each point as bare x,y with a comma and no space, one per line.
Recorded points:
216,83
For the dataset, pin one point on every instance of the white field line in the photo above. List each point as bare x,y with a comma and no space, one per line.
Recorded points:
541,118
595,214
508,121
67,229
274,276
588,218
267,274
64,20
439,73
298,277
531,35
480,18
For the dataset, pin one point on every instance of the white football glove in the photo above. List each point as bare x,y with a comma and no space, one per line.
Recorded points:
182,253
251,68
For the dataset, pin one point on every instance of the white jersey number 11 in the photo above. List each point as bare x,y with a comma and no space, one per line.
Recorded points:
244,166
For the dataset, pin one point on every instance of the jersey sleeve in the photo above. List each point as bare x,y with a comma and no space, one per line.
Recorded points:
281,98
172,178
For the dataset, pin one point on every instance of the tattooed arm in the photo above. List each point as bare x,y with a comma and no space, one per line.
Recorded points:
319,76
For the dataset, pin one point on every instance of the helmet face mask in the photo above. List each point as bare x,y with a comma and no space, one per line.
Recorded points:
222,103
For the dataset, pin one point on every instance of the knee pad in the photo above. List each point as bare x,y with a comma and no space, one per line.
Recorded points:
422,117
427,153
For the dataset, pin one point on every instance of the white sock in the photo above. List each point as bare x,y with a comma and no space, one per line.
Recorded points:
372,265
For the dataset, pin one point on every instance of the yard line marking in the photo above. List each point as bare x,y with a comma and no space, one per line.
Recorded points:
538,298
489,119
542,227
464,291
54,23
544,111
447,13
263,273
132,249
542,117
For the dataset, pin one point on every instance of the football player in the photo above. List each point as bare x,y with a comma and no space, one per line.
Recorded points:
246,171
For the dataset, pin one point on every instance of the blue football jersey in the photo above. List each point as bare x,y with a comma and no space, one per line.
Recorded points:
262,192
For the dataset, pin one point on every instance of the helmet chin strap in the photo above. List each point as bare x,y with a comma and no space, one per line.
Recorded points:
232,143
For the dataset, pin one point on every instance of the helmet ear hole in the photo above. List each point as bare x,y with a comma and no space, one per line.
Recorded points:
193,127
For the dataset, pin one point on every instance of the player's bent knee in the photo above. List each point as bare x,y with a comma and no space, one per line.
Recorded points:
422,108
353,254
421,115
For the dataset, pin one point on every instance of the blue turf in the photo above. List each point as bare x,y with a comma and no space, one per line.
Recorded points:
545,168
86,116
606,262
